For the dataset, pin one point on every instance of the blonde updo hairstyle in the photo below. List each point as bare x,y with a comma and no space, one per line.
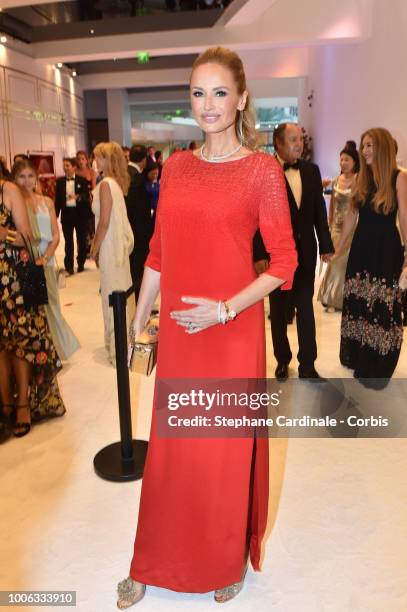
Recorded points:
245,122
115,163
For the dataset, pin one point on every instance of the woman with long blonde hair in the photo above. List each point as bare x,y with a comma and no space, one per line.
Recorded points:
204,502
113,241
376,274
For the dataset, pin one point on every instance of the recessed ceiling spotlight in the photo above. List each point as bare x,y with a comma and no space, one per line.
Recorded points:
59,65
74,73
92,31
3,39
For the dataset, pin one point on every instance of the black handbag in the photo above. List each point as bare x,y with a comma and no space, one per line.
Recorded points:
31,277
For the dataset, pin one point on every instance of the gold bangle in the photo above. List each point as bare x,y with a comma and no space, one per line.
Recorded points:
11,235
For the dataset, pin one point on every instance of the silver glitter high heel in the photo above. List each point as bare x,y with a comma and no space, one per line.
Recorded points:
129,593
229,592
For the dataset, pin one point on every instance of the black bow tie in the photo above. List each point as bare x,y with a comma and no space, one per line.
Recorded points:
295,166
70,178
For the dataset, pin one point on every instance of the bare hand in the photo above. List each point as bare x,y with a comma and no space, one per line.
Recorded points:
403,279
135,330
261,266
94,254
202,316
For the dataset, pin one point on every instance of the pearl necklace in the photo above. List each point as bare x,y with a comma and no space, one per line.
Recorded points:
216,158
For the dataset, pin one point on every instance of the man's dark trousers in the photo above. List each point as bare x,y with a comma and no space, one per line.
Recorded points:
301,298
74,219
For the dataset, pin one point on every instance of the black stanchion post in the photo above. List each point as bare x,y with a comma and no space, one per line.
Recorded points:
124,460
118,301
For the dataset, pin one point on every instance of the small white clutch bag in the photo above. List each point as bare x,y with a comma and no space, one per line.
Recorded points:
144,352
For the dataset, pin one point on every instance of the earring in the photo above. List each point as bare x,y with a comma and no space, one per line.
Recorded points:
240,127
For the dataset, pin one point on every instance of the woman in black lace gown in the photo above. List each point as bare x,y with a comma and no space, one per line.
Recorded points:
372,317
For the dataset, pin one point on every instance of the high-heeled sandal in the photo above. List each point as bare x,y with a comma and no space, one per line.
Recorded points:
22,425
129,593
229,592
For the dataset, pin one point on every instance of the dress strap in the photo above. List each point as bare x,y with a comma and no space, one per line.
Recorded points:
395,175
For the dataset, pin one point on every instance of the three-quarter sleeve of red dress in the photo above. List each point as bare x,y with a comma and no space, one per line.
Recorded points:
275,223
154,257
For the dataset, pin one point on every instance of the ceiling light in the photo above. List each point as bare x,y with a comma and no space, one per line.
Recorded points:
3,39
59,65
92,31
74,73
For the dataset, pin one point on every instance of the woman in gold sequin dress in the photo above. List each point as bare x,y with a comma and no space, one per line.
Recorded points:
331,289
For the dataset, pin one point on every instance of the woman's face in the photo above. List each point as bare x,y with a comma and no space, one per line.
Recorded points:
214,98
346,163
367,149
26,179
100,163
153,175
82,161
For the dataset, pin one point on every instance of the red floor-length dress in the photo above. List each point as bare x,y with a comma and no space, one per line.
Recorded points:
196,516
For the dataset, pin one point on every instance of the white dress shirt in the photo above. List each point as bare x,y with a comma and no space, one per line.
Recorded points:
70,192
134,165
294,180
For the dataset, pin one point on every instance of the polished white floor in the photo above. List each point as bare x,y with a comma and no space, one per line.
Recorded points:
338,520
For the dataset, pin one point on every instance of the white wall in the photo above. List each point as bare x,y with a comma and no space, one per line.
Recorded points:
40,108
118,116
361,85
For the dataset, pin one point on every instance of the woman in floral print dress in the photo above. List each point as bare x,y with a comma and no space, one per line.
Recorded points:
372,326
28,359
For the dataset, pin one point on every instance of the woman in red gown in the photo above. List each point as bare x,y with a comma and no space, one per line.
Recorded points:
203,507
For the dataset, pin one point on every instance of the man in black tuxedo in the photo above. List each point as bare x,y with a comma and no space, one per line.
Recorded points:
72,201
151,159
308,216
139,214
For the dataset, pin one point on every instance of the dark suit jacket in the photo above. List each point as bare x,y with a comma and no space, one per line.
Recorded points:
308,219
139,213
81,189
132,171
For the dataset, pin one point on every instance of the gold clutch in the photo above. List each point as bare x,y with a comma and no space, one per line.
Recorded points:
143,355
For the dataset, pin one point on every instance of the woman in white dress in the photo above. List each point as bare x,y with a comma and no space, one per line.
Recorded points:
44,226
113,240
